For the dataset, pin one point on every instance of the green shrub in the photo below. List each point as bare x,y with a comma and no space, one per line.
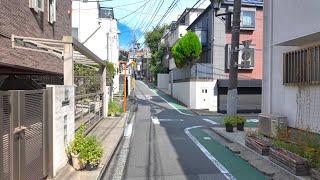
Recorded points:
92,150
230,120
240,119
302,143
113,107
88,148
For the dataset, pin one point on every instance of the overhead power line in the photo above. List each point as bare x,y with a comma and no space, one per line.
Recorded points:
134,11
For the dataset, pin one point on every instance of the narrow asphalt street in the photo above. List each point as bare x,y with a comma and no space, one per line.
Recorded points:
170,142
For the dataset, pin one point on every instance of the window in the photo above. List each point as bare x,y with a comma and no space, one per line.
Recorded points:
248,19
37,5
75,33
302,66
52,11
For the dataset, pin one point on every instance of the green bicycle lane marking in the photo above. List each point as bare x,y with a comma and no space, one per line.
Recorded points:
170,101
252,120
236,166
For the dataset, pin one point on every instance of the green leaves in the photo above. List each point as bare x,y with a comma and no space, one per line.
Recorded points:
88,148
153,37
187,51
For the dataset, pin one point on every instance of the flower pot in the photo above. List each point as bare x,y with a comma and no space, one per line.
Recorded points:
240,126
229,127
91,167
76,162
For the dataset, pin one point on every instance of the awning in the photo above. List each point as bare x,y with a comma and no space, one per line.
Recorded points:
81,54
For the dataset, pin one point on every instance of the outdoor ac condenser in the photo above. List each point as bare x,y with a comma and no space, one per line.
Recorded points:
269,124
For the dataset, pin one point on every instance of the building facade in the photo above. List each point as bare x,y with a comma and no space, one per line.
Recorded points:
28,19
215,37
291,62
96,28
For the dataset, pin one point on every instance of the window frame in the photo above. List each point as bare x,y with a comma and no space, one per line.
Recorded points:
52,11
302,66
33,4
253,19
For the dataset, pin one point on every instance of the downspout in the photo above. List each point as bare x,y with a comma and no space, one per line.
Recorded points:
270,56
267,58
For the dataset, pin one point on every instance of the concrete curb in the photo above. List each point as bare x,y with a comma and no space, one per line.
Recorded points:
263,157
112,151
118,141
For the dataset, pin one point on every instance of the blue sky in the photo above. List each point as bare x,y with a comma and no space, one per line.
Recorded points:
137,21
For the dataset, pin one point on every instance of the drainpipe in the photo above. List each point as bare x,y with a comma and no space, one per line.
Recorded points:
270,55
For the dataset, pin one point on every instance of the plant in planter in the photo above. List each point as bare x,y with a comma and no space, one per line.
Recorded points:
113,108
240,122
76,147
92,152
229,122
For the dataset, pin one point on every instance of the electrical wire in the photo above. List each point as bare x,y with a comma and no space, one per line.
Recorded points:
133,11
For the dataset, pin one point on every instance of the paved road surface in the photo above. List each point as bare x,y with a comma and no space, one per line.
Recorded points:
170,142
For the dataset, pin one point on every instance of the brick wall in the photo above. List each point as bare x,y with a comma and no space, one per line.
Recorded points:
17,18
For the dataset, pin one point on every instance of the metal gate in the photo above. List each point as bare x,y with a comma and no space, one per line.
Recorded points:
23,128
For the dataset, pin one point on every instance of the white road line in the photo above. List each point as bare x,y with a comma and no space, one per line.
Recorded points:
210,121
155,120
166,101
170,119
221,168
252,120
128,130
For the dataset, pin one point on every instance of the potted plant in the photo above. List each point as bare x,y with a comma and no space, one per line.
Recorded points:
76,149
92,152
240,122
229,122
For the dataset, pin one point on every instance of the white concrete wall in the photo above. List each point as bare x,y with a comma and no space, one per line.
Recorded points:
163,81
181,91
189,93
105,41
286,20
59,112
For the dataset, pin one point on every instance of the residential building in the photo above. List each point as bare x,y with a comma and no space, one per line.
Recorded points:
292,62
206,83
96,28
23,69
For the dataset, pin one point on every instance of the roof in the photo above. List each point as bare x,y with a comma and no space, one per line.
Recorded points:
255,3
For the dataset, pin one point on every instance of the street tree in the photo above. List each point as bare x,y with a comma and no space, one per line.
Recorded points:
152,40
187,51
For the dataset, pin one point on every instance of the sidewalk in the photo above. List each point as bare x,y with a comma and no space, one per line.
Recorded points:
109,131
261,163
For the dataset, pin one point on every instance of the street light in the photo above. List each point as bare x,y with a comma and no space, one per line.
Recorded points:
216,4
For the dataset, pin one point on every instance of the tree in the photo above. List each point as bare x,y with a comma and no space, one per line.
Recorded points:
187,51
153,37
152,40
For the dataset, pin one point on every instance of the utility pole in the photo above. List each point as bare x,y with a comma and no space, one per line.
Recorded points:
233,72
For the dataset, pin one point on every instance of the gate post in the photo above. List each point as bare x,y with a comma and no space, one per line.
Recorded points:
49,132
17,139
68,69
104,91
1,135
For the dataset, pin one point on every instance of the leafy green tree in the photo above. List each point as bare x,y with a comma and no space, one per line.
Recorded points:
187,51
152,40
153,37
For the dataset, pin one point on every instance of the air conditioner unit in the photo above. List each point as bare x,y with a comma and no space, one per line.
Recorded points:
269,124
